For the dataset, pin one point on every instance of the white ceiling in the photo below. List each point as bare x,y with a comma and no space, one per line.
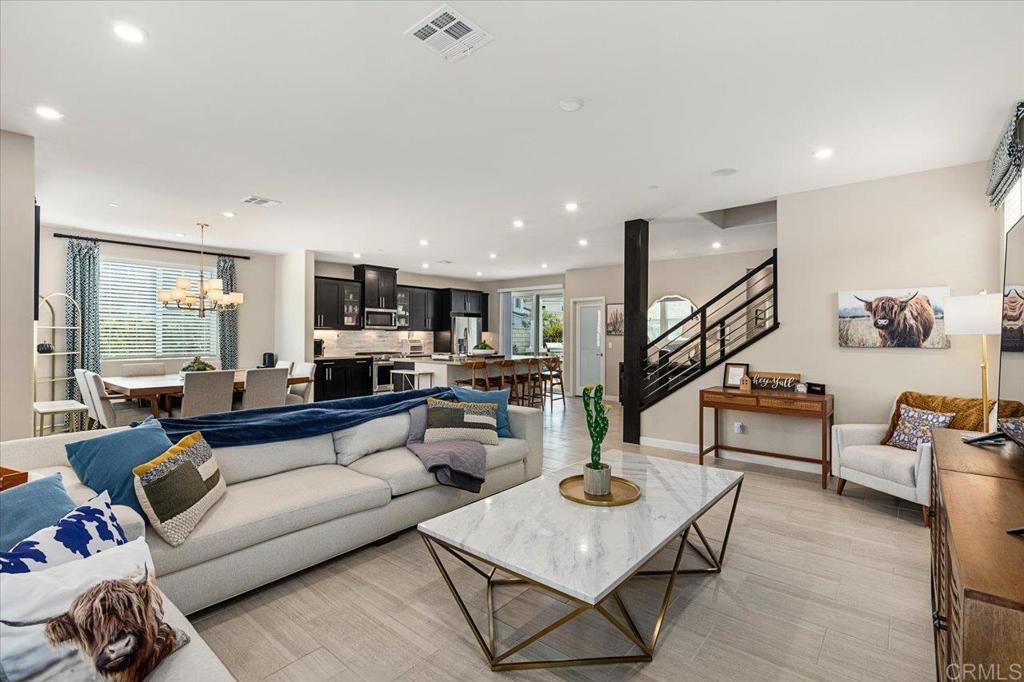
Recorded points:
372,142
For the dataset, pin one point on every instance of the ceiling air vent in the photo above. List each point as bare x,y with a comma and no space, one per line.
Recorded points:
254,200
449,34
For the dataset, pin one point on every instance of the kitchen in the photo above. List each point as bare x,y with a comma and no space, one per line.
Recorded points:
366,322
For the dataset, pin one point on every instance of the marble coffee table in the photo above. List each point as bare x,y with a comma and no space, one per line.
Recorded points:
580,553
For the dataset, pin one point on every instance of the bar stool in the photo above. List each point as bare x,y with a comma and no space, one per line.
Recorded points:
533,384
507,378
482,382
553,376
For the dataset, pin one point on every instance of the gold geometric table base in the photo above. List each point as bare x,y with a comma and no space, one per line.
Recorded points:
499,661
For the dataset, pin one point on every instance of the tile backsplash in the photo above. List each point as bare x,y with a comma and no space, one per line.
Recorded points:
369,340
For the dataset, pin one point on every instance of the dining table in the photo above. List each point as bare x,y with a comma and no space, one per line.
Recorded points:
156,388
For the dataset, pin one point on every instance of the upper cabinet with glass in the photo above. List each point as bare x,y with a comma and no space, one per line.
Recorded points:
665,313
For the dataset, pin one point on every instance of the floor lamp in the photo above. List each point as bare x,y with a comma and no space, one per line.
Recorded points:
977,315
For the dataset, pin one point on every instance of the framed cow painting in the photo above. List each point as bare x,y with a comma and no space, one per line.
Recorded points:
910,317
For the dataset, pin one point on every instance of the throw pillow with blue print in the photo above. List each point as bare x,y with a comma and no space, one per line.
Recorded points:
84,531
915,427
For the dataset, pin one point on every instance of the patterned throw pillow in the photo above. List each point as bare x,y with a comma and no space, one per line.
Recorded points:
178,487
84,531
915,427
448,420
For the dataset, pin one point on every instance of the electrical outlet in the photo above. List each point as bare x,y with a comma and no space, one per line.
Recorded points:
739,427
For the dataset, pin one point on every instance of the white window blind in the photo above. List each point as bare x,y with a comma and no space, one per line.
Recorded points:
1013,205
134,325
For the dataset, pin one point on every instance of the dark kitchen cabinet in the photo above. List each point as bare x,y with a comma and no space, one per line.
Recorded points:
403,302
465,302
337,304
423,310
380,286
342,379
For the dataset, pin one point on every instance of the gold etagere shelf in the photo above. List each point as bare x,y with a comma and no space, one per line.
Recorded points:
40,333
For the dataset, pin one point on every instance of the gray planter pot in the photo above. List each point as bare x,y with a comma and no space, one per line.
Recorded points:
597,481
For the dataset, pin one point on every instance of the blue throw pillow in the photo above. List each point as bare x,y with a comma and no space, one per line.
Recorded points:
499,398
85,530
106,462
26,508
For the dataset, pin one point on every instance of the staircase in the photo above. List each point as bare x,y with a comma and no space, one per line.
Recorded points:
739,316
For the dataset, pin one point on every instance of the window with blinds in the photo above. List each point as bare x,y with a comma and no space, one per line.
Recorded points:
134,325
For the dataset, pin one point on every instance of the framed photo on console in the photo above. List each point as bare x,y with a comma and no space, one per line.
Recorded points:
734,371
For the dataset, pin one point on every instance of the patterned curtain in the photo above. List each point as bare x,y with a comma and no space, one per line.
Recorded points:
82,283
227,320
1006,162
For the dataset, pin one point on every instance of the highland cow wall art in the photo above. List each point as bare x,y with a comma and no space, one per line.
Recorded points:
893,318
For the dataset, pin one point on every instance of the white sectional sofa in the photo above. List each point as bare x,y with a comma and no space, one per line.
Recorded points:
290,505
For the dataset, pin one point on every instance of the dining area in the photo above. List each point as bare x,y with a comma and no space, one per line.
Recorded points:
145,389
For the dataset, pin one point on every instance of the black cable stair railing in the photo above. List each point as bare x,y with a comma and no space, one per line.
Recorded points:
738,316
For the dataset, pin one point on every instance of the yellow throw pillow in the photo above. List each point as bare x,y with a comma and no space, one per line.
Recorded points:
177,488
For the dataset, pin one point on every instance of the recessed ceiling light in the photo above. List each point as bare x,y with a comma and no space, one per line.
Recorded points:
517,223
492,256
571,104
582,242
479,274
716,245
823,153
179,235
571,206
129,33
426,265
228,214
424,242
652,187
357,255
49,113
724,172
544,265
114,205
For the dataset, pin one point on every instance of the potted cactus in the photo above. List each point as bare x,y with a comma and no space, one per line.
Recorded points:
597,477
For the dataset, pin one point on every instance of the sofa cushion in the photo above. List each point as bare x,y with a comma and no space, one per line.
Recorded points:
404,472
372,436
246,462
882,461
32,506
264,508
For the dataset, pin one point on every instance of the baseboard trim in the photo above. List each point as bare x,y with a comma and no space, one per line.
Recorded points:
664,444
611,398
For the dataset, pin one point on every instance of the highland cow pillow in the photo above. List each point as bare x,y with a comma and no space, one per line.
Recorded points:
92,620
84,531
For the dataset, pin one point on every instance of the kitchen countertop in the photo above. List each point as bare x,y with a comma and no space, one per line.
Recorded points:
350,356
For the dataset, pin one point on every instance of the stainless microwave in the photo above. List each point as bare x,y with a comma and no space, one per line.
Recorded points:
380,318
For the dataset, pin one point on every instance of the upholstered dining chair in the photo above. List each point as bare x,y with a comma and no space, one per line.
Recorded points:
143,369
206,393
265,388
301,393
285,363
92,418
111,410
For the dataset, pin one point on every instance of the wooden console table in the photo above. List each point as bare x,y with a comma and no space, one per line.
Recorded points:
783,403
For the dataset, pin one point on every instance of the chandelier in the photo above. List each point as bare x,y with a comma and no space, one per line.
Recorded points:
209,296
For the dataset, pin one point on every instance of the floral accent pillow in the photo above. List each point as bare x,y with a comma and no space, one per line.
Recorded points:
915,427
84,531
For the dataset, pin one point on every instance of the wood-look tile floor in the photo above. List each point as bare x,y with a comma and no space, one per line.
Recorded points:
814,587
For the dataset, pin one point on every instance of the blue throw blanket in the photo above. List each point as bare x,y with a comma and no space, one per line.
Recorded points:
275,424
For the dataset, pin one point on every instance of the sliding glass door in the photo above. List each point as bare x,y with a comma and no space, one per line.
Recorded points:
535,320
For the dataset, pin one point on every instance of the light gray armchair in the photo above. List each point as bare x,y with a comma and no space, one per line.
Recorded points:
858,456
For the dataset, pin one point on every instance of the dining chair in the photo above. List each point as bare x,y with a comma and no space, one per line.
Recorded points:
265,388
481,381
532,383
552,375
301,393
111,410
285,363
143,369
206,393
92,419
507,378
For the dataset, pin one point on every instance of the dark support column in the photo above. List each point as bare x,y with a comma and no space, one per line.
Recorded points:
635,336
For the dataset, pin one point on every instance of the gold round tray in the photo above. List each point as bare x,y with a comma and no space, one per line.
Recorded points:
623,492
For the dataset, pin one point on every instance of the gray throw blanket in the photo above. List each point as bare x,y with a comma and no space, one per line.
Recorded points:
455,463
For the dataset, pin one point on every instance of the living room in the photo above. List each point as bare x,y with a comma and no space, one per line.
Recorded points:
660,280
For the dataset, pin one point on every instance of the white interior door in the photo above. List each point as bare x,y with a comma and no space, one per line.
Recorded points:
589,344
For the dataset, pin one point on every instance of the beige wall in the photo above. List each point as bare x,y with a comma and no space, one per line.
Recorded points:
294,306
17,239
254,278
698,279
924,229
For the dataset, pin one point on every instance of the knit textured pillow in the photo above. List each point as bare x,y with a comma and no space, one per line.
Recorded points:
915,427
177,488
447,420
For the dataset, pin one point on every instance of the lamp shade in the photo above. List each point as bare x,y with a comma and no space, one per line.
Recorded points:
973,315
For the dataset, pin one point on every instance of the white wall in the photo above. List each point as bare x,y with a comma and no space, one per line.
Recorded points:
17,239
925,229
294,306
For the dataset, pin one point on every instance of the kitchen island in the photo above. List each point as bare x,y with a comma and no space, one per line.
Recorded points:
448,372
